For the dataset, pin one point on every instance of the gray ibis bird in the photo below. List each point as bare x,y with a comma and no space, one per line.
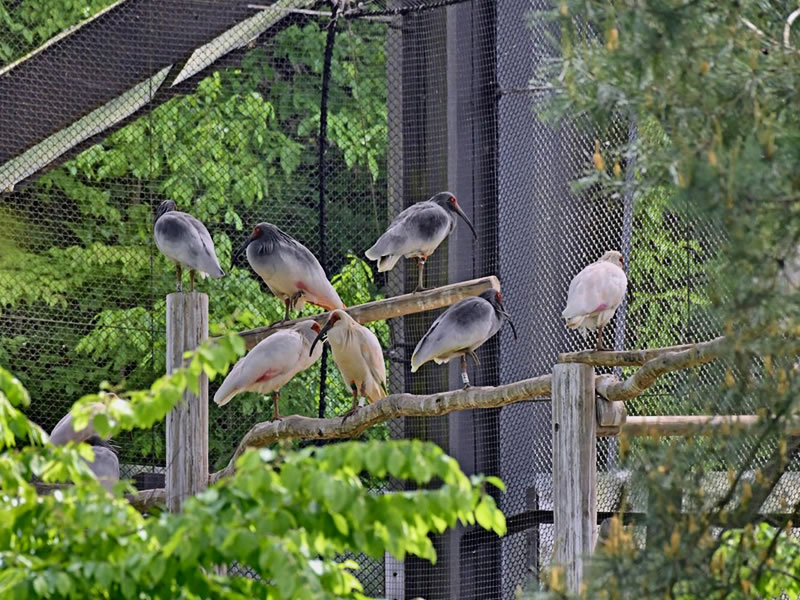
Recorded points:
595,294
105,465
462,329
272,364
358,355
185,241
417,232
289,269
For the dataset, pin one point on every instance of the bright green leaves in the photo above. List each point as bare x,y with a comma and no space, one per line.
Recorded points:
13,424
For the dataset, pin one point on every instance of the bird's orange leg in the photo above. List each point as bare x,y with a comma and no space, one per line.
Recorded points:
353,410
464,375
276,415
599,338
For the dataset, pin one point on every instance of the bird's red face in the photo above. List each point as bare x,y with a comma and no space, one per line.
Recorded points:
453,202
315,327
257,231
334,318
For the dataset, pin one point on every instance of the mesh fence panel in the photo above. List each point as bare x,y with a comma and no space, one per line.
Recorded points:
217,107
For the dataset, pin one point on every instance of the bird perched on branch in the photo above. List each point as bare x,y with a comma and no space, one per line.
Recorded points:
289,269
462,329
185,241
358,354
272,364
595,294
105,465
417,232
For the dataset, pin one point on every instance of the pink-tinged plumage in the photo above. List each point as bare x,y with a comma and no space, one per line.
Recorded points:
272,364
595,294
289,269
358,355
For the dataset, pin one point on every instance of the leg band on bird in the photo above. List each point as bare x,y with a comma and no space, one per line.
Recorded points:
464,375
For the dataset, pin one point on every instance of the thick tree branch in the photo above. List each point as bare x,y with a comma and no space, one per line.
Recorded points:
623,358
615,390
391,407
389,308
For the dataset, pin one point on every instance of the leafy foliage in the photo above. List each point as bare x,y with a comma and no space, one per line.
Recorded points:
285,517
709,85
81,283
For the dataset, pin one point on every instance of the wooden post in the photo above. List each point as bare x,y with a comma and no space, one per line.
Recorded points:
574,469
187,423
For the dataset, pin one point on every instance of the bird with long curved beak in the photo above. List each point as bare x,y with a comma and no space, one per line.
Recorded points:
462,329
105,465
417,232
185,241
273,362
289,269
358,355
595,294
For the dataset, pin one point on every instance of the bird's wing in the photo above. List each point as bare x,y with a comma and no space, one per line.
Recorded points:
208,258
373,356
312,280
273,356
466,325
184,239
64,432
600,286
419,226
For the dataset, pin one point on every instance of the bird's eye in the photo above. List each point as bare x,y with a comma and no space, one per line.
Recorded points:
257,231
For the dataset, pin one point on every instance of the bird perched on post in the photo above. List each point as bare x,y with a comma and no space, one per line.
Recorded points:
186,242
105,465
272,364
417,232
595,294
462,329
289,269
358,354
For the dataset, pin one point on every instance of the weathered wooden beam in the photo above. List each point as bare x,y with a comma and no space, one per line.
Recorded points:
618,358
611,416
574,469
391,407
142,501
613,389
187,422
686,425
389,308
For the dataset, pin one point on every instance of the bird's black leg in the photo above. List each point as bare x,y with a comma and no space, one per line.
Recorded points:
180,283
420,271
464,376
191,281
276,415
600,338
286,313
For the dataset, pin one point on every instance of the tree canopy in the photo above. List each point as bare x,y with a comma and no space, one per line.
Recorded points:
712,90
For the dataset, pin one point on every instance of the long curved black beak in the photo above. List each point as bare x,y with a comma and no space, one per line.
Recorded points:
320,335
242,248
508,318
461,214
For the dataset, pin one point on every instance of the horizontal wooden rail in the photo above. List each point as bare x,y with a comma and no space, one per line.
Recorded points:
619,358
687,425
389,308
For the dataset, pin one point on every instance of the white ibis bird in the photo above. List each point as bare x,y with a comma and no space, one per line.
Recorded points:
186,242
595,294
462,329
417,232
105,465
358,354
289,269
272,364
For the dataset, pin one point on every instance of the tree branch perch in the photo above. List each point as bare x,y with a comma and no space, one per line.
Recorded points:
391,407
614,390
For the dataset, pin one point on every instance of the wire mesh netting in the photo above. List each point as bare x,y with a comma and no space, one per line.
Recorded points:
217,107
